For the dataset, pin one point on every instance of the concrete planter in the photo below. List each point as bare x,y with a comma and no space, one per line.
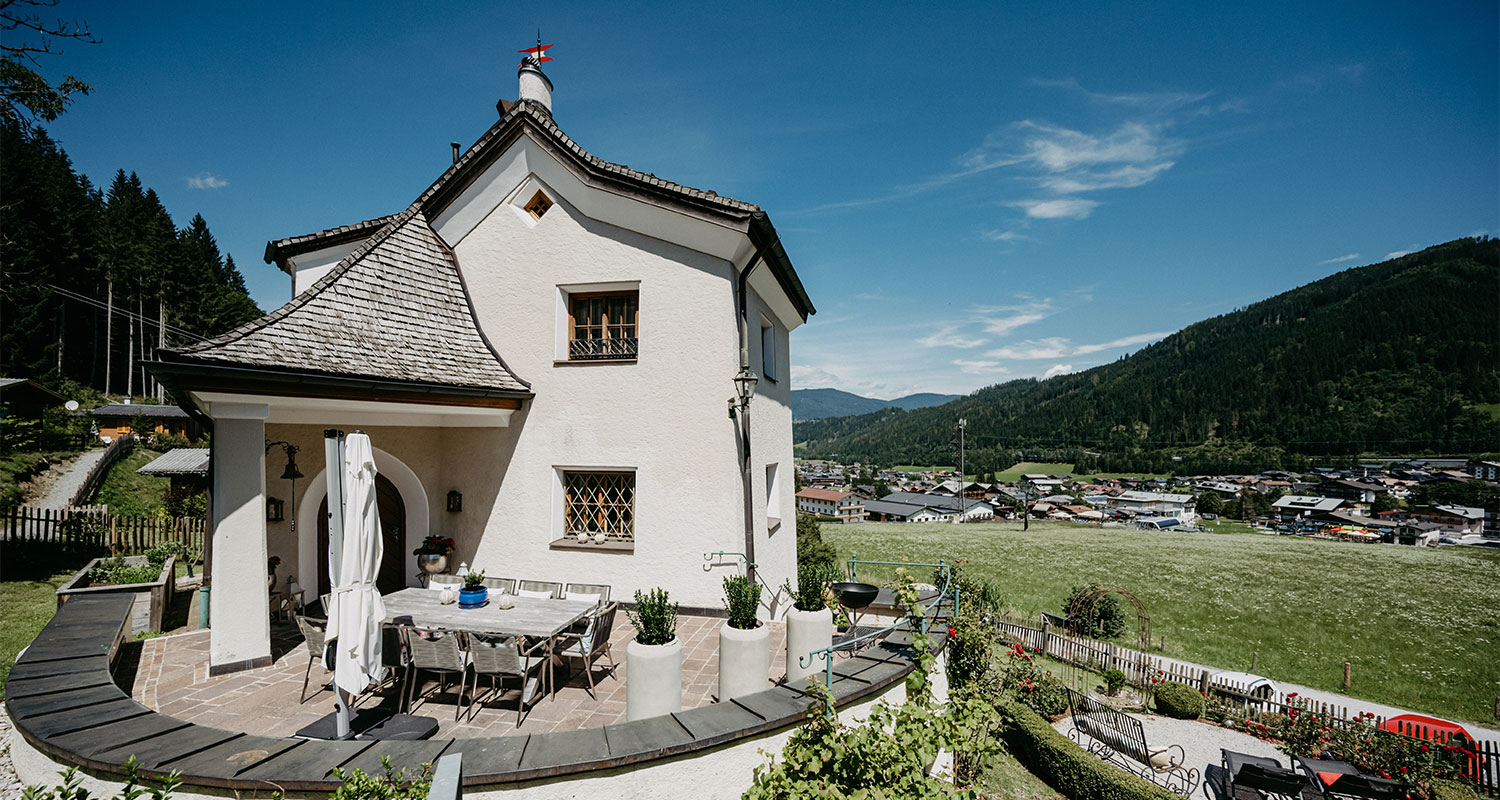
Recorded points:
744,661
806,631
653,679
150,599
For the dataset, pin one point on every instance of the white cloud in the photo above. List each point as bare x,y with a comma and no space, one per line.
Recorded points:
805,377
1059,347
1069,208
1057,369
1340,259
1396,254
1156,101
1004,325
948,336
206,180
1010,236
1014,316
981,367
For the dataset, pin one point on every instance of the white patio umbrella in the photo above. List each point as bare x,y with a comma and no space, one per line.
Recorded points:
354,553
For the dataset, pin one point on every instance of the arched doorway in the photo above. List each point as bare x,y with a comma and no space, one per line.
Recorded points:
392,510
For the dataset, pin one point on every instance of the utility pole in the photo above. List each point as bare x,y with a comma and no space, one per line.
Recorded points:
963,496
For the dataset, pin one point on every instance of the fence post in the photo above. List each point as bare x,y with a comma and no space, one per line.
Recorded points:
1346,674
1047,639
1254,659
1203,681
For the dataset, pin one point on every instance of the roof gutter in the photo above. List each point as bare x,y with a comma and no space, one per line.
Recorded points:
768,246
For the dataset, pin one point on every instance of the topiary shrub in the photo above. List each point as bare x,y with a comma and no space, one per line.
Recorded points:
1179,701
1066,767
1114,681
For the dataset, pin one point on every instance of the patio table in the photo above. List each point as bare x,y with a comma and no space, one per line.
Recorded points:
539,618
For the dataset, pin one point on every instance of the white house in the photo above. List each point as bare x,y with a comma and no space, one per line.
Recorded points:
542,343
831,503
1164,504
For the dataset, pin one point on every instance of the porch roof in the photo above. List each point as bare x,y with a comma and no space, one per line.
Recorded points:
396,310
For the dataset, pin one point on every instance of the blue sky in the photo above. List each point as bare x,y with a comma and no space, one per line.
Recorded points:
971,192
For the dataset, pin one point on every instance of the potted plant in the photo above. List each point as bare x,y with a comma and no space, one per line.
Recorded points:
744,642
653,659
809,623
432,554
474,594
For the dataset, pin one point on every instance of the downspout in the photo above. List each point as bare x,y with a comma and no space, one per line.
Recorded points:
741,289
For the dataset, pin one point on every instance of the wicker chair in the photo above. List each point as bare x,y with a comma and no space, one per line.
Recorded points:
496,656
440,582
600,589
589,644
553,590
506,585
436,651
312,636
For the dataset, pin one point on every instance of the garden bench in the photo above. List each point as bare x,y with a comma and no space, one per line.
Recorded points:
1119,738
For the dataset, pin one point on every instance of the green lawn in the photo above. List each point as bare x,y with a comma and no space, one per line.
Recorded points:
28,604
130,494
919,468
1420,626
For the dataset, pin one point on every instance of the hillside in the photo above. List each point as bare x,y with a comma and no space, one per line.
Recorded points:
1397,357
823,403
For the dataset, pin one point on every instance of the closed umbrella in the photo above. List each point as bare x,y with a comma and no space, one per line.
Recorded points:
355,549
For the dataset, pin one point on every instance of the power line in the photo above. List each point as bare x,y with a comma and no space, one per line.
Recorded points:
131,315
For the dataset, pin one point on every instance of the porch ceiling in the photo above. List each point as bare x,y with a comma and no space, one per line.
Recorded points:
353,412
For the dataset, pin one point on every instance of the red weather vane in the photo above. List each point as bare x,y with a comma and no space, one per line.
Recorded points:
539,52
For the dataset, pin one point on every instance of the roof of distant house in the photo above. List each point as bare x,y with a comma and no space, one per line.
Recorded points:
827,495
1153,497
133,410
892,508
29,384
1307,503
178,461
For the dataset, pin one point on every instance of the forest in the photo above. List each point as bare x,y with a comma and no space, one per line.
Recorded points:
1400,357
93,282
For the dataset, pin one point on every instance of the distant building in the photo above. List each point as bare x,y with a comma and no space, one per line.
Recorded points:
1294,506
23,397
118,419
1181,506
844,506
1485,470
1452,519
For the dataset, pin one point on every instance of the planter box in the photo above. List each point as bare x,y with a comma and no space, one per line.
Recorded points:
744,661
653,679
150,599
806,632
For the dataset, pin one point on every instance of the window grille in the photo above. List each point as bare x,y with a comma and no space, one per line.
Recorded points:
596,502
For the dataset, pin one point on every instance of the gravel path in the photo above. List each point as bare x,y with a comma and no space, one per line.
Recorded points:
1201,741
10,785
69,481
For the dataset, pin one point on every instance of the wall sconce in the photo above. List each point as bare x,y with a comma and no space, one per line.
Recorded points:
291,473
455,501
275,510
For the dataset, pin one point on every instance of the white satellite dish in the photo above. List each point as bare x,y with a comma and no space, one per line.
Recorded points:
71,405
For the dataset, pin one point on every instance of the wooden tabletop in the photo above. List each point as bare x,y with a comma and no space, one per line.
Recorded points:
531,616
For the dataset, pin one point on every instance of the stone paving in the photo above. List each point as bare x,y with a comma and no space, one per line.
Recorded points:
172,677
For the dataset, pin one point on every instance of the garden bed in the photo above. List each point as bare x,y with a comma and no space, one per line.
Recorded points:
150,598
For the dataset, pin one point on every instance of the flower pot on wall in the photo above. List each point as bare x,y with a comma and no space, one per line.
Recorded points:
744,661
806,631
653,679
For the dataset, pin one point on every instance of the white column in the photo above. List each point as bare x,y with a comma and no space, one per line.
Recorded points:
240,635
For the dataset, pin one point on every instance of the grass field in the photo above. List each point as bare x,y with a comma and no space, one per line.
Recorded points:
1421,627
1048,468
918,468
130,494
29,603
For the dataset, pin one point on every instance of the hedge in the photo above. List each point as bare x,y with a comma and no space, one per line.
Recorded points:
1179,701
1453,790
1068,768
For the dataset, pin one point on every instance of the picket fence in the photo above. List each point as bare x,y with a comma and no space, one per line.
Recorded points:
1141,669
93,529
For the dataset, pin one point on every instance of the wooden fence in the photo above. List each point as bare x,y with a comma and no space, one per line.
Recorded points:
1039,636
93,530
119,448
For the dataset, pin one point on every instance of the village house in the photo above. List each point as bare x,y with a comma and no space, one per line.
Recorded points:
120,419
1161,504
844,506
542,347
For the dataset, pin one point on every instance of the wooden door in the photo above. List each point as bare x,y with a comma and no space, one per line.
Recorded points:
392,575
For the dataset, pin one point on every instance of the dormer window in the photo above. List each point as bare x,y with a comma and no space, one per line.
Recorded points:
538,205
602,325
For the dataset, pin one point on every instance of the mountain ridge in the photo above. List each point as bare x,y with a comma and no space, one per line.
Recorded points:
1399,356
829,402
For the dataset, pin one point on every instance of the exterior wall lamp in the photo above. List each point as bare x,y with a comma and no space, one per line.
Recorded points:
744,389
455,501
275,509
291,473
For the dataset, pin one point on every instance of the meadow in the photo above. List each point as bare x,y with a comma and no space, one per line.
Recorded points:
1420,626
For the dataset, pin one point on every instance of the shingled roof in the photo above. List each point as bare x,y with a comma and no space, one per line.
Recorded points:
394,309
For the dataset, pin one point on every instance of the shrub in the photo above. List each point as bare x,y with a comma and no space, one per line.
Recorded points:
1107,620
811,549
971,644
393,785
811,592
741,600
1066,767
1179,701
654,617
1114,681
71,787
971,590
1032,685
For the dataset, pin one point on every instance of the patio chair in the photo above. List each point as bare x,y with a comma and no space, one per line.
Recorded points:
590,643
312,636
593,592
539,589
1248,777
497,656
441,582
437,651
506,585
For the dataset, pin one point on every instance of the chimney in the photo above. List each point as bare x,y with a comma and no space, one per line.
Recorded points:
534,85
456,152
